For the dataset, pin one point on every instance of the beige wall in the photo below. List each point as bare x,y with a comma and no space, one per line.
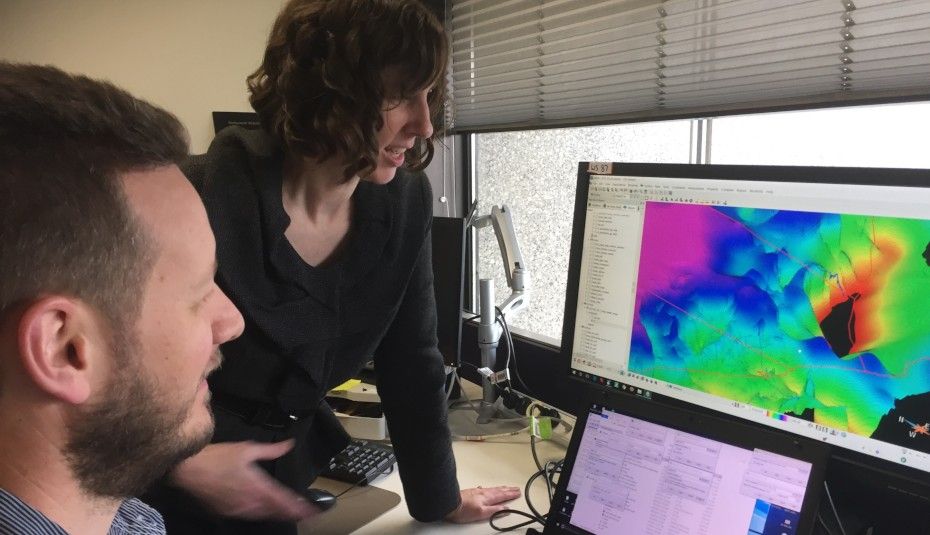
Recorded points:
188,56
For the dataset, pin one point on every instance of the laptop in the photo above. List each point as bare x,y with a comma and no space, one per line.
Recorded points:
638,467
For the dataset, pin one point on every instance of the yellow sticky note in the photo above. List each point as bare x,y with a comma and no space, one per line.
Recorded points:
347,385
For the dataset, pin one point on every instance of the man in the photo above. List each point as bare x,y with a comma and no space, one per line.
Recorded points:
109,317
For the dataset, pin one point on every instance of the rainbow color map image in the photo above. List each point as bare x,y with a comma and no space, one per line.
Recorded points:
820,316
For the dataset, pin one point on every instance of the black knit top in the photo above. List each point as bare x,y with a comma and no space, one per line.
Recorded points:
308,328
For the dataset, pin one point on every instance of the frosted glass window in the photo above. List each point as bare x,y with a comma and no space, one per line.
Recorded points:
534,173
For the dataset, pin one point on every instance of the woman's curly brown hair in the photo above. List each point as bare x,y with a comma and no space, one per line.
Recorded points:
319,89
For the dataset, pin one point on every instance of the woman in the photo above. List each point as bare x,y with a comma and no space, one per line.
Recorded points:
323,244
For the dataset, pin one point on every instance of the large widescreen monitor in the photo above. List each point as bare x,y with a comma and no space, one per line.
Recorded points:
795,297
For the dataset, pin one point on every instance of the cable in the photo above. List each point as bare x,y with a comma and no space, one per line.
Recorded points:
511,351
501,392
539,465
549,470
554,468
553,415
526,494
836,514
452,383
470,218
462,390
503,512
480,438
824,524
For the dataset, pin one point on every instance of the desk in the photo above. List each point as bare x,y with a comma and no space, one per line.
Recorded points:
479,463
498,461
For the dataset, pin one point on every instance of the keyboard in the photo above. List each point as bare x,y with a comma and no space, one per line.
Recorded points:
360,463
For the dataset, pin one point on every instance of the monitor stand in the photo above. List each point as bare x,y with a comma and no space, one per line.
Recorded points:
477,419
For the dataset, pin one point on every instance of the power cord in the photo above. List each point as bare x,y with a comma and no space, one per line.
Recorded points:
549,470
534,515
511,351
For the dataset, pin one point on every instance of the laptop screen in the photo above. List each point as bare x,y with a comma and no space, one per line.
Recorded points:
630,475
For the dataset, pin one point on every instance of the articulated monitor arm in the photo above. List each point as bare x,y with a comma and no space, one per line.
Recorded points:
489,329
514,267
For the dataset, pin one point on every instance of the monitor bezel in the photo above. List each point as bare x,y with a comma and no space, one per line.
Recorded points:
863,176
742,434
907,481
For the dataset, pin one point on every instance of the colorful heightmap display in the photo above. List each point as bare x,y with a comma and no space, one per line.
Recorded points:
818,315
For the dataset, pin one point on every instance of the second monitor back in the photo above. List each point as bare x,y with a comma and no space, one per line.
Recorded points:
448,240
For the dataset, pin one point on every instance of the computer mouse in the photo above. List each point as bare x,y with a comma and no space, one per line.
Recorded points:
320,498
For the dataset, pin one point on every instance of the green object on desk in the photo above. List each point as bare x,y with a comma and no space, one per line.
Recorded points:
541,427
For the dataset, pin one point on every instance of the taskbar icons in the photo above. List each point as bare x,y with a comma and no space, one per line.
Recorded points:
610,383
639,378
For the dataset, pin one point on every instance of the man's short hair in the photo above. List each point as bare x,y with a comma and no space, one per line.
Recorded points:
66,226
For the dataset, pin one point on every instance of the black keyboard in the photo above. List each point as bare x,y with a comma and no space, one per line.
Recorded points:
360,463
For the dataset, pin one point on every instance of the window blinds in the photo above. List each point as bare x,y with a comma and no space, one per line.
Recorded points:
535,63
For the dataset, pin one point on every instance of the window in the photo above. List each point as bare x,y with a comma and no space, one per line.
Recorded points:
534,172
891,135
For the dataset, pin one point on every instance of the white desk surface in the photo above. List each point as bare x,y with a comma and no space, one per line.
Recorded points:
487,464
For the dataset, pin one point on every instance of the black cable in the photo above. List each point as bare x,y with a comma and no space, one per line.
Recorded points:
549,471
539,465
504,512
503,324
535,516
465,363
526,495
387,471
511,351
352,486
556,468
471,404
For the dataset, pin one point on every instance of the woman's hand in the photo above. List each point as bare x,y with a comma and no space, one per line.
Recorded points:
480,503
225,478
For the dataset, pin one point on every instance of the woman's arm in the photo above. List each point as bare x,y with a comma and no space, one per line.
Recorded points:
411,380
226,478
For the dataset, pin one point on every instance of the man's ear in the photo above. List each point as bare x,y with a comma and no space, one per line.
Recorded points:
55,349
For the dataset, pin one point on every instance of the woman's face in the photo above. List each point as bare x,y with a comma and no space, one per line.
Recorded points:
405,120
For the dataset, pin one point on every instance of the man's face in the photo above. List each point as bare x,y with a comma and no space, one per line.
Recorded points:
184,316
157,394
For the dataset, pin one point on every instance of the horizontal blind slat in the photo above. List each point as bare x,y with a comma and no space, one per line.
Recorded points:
526,62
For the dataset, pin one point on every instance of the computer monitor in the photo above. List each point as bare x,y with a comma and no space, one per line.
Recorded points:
796,297
448,283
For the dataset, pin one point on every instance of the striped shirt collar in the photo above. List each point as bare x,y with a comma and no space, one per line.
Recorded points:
132,518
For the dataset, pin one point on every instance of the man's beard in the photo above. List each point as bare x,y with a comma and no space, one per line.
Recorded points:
120,445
